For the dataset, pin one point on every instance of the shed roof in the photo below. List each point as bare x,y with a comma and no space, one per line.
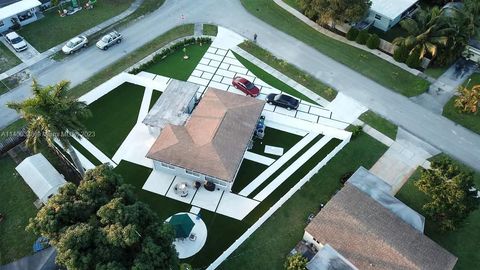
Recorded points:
214,139
171,107
17,7
40,175
391,8
372,237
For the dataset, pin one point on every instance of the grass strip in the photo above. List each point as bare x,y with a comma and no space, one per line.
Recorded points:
290,71
271,80
379,123
210,29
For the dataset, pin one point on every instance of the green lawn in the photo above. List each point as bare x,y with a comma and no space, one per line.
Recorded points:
53,29
363,62
275,137
174,66
290,71
379,123
463,242
271,80
113,117
12,129
270,244
8,59
435,72
468,120
17,207
131,58
210,29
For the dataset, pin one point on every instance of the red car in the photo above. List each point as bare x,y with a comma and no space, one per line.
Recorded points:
245,86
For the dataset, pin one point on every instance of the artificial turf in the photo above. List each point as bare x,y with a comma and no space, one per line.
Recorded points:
277,138
174,66
113,117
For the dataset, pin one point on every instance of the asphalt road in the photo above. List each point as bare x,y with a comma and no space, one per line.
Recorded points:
434,129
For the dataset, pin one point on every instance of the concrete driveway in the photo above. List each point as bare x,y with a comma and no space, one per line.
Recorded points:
24,56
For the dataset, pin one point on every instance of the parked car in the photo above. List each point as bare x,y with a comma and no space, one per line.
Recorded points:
245,86
75,44
16,41
109,39
284,101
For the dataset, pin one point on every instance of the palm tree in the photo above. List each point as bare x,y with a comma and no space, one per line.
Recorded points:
51,114
426,33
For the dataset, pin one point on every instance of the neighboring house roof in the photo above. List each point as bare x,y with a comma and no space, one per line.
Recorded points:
328,258
40,176
17,7
391,8
7,2
171,107
380,191
214,139
372,237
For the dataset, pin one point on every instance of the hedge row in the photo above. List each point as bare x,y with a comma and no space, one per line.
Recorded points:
167,51
363,37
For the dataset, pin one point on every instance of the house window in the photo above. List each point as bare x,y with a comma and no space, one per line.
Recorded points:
378,17
168,166
192,173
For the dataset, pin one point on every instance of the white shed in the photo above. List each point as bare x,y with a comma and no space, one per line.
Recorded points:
387,13
40,176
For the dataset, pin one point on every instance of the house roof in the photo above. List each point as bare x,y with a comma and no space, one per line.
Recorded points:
40,175
391,8
372,237
214,139
171,107
17,7
380,191
328,258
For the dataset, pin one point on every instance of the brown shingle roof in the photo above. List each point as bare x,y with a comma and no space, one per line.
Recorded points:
372,237
214,139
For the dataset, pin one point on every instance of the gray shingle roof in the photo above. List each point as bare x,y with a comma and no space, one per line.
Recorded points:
372,237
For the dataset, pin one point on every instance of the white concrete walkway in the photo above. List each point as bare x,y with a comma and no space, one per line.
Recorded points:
291,169
276,165
187,247
258,158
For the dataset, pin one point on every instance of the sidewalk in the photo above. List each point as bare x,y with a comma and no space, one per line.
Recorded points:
32,61
329,33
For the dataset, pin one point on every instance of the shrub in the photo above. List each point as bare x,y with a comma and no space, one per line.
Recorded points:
352,33
356,130
362,37
414,60
400,54
373,41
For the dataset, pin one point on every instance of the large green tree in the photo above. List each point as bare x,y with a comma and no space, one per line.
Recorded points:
53,115
335,11
101,225
448,189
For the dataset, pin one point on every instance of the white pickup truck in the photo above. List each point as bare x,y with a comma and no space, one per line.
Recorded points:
109,39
